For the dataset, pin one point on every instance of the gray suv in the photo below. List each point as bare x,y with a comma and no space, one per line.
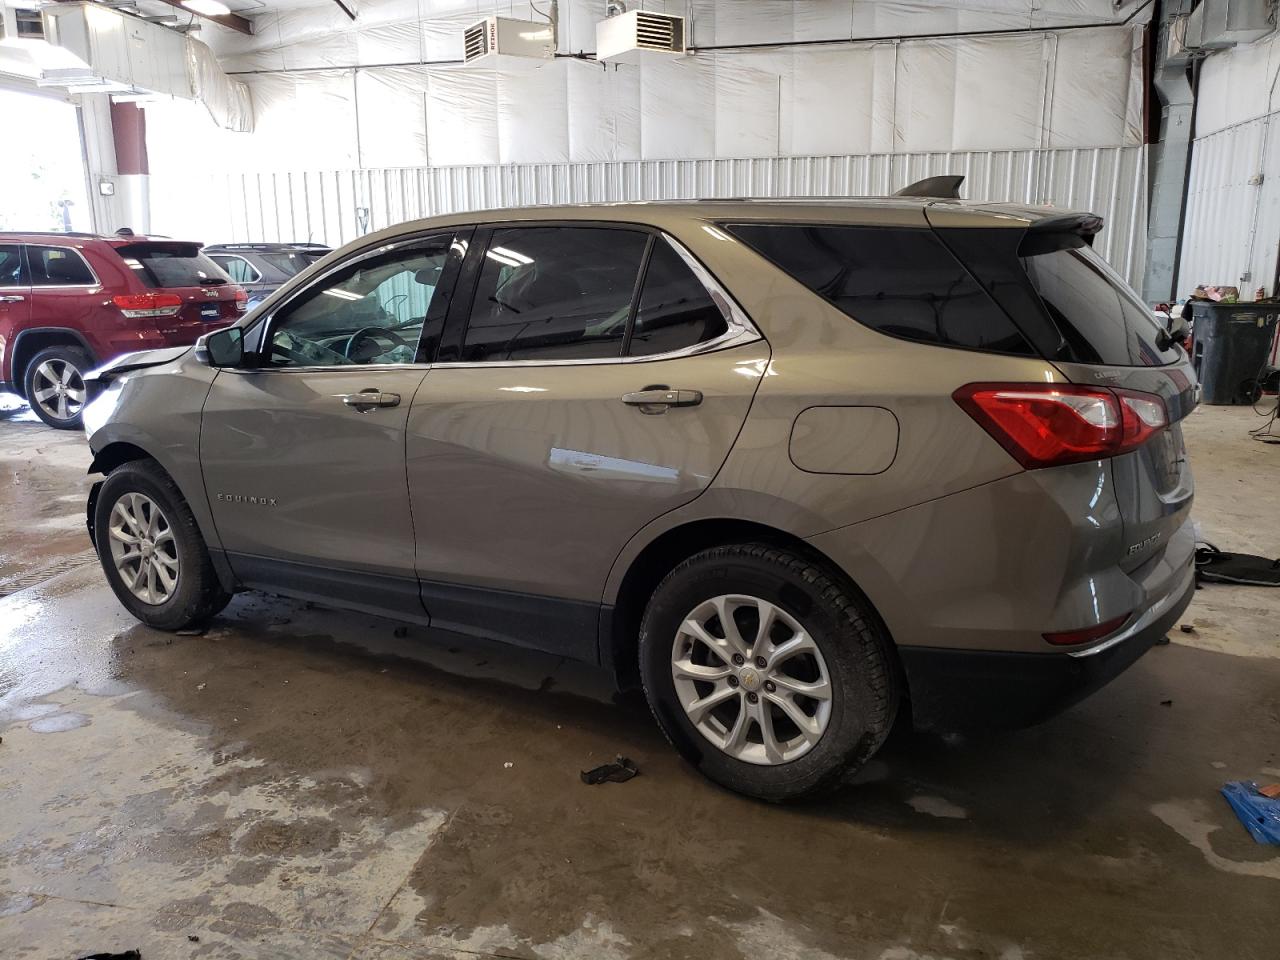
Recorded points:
798,469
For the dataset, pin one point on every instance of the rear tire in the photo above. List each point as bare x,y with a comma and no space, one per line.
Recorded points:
151,550
823,640
55,387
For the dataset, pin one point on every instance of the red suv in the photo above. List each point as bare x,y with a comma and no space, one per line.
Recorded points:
72,301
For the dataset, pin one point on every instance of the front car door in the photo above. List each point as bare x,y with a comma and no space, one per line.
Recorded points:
303,449
595,379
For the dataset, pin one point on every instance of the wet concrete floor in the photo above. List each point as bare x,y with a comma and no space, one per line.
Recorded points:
302,783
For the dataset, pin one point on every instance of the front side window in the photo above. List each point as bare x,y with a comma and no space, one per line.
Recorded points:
11,272
58,267
374,312
238,269
554,293
900,281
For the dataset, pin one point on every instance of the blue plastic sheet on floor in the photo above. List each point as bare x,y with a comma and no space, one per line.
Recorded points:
1259,814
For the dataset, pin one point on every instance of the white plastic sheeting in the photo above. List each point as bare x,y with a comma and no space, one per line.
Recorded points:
1232,232
227,100
337,206
1012,91
418,31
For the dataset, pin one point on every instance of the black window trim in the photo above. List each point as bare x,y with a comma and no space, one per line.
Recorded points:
740,328
262,327
31,274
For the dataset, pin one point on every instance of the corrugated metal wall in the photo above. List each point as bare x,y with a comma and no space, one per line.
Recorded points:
338,206
1232,232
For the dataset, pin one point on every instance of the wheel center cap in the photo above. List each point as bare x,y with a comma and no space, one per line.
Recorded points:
147,550
750,679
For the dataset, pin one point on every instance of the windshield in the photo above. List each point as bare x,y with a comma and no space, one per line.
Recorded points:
291,262
161,265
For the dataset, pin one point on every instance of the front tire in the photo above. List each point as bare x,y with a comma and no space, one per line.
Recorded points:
54,383
797,690
151,550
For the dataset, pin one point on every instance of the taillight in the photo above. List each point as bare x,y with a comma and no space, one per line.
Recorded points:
242,301
138,305
1049,424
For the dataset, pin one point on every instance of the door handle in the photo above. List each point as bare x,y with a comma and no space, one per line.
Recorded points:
369,399
12,298
663,397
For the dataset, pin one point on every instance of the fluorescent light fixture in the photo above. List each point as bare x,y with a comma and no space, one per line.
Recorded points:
207,8
513,254
343,294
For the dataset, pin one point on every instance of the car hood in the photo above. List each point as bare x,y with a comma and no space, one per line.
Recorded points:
134,361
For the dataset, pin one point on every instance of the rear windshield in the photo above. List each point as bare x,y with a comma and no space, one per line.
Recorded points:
292,262
1099,317
900,281
172,265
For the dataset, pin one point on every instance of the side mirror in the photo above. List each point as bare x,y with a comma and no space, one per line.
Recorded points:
222,348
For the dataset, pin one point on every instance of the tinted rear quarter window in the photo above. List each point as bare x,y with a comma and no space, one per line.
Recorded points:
902,282
58,267
290,263
171,265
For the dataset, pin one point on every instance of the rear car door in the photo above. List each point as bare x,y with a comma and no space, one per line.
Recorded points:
303,453
15,301
205,296
593,381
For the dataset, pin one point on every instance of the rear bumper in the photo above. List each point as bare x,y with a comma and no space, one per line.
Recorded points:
952,689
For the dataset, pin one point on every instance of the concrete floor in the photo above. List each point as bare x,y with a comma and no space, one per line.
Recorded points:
299,783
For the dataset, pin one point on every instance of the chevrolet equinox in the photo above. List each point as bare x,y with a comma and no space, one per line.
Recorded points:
796,468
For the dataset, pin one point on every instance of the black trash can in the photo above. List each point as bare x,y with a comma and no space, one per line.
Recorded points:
1231,344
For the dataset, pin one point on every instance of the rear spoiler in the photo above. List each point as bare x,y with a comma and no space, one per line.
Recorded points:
1069,231
945,187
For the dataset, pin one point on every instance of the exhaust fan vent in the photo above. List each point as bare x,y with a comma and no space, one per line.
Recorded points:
630,37
505,37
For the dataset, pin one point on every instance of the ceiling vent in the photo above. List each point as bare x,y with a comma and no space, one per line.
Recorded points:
504,37
631,37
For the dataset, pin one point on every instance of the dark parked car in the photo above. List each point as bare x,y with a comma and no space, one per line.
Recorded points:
72,301
262,268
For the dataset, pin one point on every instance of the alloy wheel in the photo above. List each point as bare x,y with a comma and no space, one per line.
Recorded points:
58,388
143,548
751,679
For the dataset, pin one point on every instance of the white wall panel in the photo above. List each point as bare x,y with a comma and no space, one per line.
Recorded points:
678,109
835,98
462,116
326,205
392,116
1232,231
603,112
533,112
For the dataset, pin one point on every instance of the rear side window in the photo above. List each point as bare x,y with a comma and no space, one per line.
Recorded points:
554,293
58,267
161,265
11,272
675,310
1099,319
899,281
238,269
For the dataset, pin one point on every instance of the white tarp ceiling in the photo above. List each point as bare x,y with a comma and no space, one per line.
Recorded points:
337,108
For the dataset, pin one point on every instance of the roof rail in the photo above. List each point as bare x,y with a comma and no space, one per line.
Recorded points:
944,187
55,233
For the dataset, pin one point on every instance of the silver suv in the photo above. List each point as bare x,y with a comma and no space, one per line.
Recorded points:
799,469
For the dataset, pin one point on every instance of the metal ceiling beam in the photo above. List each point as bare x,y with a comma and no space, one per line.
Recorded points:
348,7
231,21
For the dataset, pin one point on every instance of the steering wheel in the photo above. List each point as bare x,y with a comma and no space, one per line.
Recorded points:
357,339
